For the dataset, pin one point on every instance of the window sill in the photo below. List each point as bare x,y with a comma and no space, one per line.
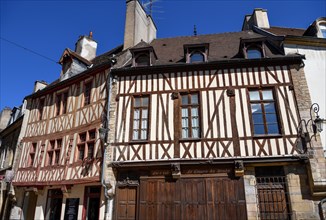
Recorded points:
265,136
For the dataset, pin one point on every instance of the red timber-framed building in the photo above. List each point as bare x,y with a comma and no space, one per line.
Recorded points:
59,170
206,127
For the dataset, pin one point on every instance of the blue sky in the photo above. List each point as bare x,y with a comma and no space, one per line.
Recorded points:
48,27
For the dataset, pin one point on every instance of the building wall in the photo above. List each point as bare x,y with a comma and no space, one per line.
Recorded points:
215,114
315,71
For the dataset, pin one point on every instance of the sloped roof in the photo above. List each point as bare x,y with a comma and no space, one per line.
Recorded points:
283,31
222,46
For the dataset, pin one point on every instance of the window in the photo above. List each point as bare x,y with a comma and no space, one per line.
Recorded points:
54,152
263,112
61,103
254,53
58,104
197,57
41,108
142,60
32,152
196,53
86,145
140,118
190,115
87,93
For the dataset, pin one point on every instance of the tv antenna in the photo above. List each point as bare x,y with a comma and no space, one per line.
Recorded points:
148,6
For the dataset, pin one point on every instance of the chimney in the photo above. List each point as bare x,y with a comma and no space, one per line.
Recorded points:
258,18
261,18
86,47
139,26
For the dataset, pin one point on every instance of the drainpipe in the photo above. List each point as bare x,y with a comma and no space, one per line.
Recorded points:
108,199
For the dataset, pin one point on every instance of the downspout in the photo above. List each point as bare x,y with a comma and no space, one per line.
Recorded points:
108,199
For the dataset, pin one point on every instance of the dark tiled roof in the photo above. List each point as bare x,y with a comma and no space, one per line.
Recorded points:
282,31
105,57
223,46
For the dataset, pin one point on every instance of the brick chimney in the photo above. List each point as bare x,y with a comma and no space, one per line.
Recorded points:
258,18
139,26
86,47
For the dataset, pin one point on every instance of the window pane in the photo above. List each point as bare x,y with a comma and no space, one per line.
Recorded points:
258,118
184,112
267,95
259,129
185,100
254,95
271,118
197,57
194,111
136,114
142,60
256,108
145,101
143,134
135,135
144,124
194,99
273,129
144,113
194,122
185,132
136,124
269,107
137,102
195,132
253,53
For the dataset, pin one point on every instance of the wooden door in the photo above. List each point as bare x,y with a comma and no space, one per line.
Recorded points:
126,203
192,199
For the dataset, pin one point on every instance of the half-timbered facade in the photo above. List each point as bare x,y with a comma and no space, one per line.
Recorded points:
59,174
206,128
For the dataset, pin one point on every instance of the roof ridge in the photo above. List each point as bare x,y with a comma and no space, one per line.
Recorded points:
200,35
286,28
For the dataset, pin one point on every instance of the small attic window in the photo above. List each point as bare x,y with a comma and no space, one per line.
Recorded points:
197,57
196,53
143,56
254,53
142,59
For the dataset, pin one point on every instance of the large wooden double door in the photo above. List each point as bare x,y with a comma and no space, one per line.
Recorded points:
184,199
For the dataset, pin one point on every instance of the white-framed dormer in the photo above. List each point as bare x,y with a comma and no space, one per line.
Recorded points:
196,53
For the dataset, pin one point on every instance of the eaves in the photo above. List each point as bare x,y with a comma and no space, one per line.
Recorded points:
234,63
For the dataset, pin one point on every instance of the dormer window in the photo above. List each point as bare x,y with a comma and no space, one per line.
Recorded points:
196,53
254,53
143,56
197,57
142,59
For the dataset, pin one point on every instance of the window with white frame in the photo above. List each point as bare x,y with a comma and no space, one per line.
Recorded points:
263,110
140,118
190,125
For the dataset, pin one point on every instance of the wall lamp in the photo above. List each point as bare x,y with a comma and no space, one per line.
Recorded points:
314,124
